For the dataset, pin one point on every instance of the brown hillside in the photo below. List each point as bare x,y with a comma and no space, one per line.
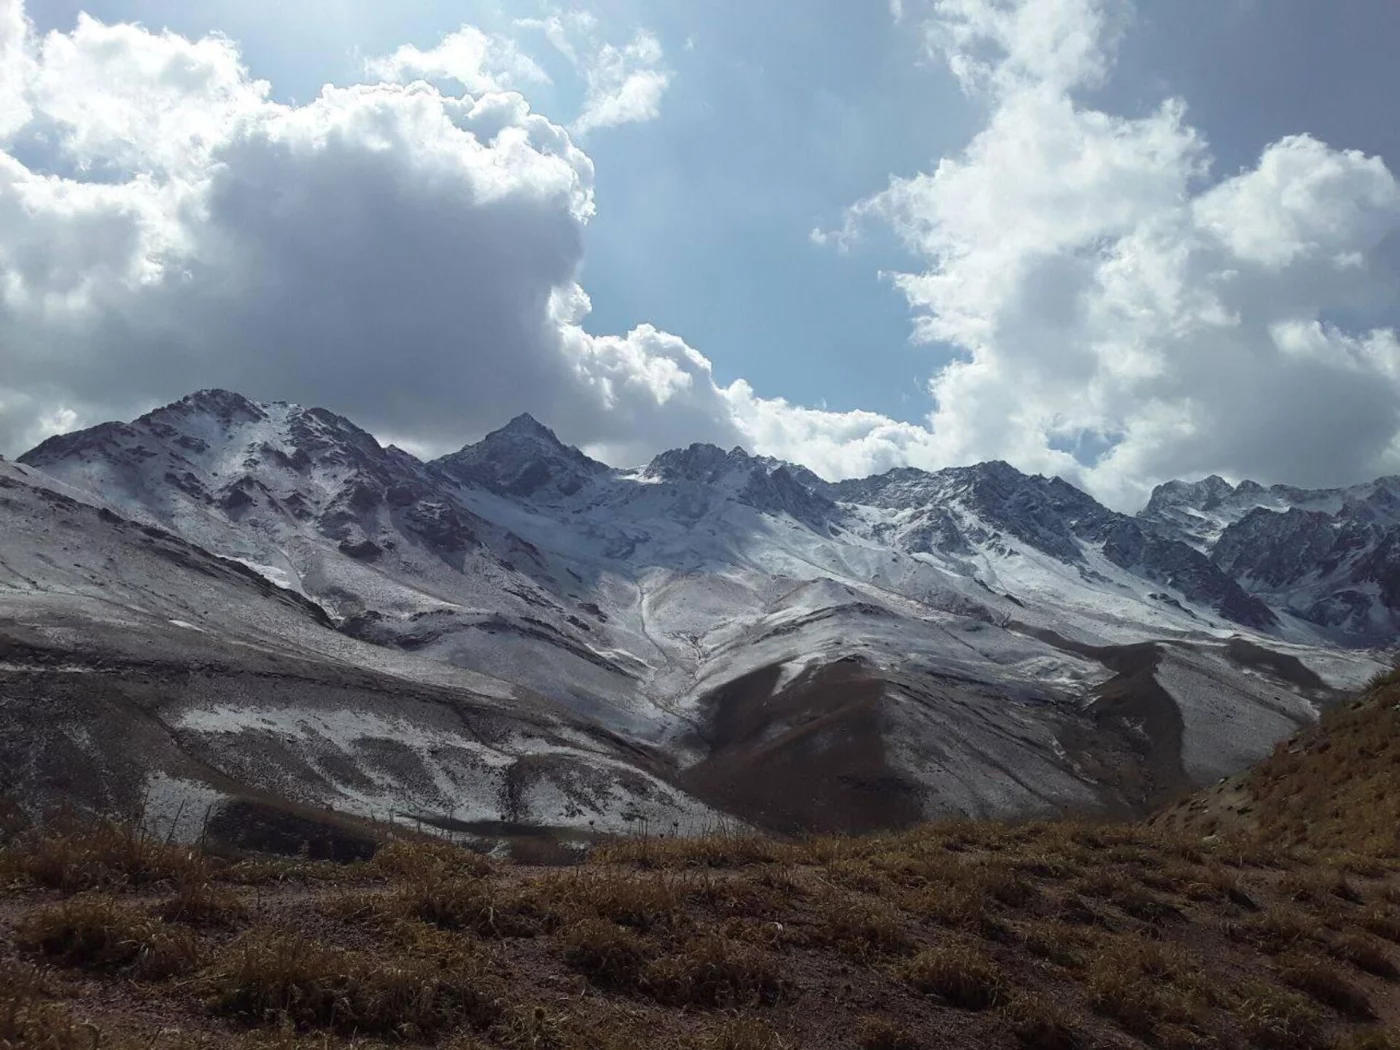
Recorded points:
959,935
1332,787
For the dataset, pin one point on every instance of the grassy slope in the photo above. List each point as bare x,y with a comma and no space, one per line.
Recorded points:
1333,787
1283,933
966,935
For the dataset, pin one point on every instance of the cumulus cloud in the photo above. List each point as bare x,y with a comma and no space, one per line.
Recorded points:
1118,318
479,61
401,254
624,84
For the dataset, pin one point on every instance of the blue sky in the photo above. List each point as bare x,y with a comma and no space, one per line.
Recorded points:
777,120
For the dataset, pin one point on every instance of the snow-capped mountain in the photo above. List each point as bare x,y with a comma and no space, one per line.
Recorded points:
1329,557
746,637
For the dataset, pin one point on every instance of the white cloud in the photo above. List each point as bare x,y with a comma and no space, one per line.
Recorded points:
624,85
1099,293
403,255
481,62
15,66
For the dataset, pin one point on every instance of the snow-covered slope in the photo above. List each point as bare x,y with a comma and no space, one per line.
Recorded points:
1327,557
798,653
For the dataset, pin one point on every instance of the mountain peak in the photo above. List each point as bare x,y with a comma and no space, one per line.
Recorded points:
525,425
522,458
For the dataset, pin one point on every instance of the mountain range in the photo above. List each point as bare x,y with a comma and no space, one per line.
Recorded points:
228,603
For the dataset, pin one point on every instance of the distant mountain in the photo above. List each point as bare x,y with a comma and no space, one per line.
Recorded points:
711,632
1329,557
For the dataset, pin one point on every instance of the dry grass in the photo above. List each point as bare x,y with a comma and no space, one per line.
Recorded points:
720,849
1326,984
28,1017
609,955
1364,953
105,855
1336,787
1038,1023
201,903
1275,1019
876,1033
862,929
269,977
95,931
1055,936
713,971
744,1033
1143,984
960,974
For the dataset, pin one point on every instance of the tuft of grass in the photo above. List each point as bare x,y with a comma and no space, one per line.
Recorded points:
712,971
267,977
641,902
95,931
862,930
1364,953
961,974
1383,922
466,903
1327,986
29,1019
743,1033
1038,1023
199,903
1275,931
1370,1039
419,861
1144,984
1275,1019
607,954
1055,942
105,855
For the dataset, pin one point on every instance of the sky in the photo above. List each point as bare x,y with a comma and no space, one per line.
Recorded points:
1119,242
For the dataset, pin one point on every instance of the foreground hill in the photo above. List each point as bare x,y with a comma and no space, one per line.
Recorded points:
1280,931
516,633
1334,786
971,935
